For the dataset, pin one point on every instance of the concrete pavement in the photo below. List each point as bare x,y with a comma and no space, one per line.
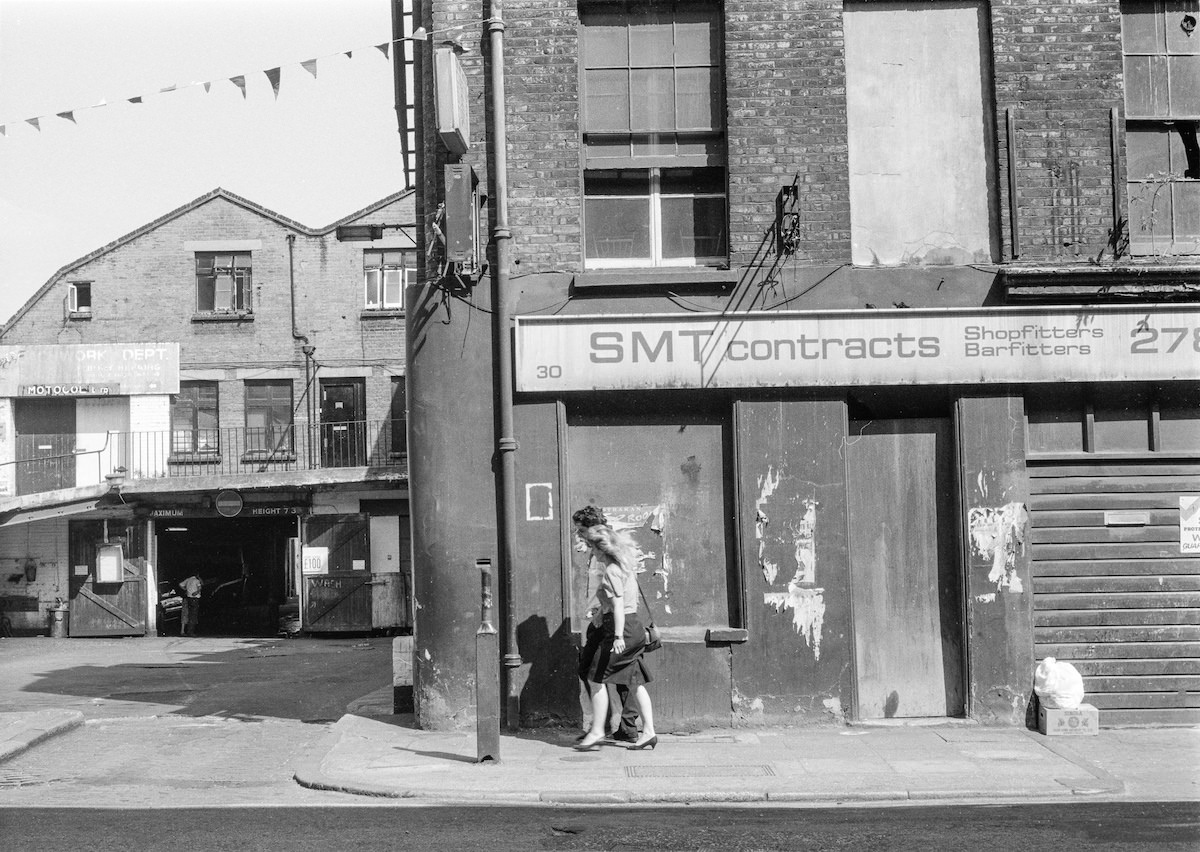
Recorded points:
894,764
49,687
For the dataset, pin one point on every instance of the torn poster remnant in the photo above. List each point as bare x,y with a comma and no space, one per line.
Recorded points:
804,537
998,533
808,612
766,487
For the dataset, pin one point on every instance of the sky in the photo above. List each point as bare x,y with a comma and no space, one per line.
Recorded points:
325,147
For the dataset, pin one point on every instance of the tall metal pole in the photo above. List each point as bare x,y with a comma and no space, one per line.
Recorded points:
506,444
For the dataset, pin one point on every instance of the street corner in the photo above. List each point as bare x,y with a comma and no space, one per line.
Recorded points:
20,731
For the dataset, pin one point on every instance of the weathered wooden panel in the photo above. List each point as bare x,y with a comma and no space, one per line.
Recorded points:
798,660
1119,601
337,603
1135,651
110,609
1106,550
993,480
1110,584
387,604
1150,716
1125,633
1112,500
1105,485
1098,617
1102,534
1174,684
1071,568
899,487
1143,701
1114,468
1100,668
1095,518
692,683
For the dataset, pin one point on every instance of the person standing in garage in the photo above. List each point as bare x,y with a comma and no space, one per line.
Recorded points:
190,617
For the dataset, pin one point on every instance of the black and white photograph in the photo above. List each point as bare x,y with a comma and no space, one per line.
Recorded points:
718,425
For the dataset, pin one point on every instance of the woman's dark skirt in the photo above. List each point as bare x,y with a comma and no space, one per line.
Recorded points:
627,668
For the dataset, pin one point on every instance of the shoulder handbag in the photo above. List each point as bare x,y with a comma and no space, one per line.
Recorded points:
653,635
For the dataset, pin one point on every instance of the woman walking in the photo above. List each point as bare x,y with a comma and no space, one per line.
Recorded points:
620,658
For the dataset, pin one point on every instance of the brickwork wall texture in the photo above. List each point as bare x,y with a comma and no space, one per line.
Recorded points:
144,291
1057,71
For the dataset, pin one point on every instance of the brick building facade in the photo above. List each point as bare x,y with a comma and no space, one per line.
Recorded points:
875,322
220,392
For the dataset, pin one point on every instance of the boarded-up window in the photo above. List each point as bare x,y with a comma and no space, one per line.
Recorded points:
920,133
664,477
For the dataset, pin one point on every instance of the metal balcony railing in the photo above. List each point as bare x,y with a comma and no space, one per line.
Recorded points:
48,462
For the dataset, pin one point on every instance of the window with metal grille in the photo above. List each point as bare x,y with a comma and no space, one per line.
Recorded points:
1162,118
194,418
385,274
653,134
223,282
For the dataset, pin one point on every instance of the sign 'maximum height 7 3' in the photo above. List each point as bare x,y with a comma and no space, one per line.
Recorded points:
803,349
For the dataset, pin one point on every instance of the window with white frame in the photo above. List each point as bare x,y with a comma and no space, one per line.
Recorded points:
79,297
386,272
223,282
1162,119
653,134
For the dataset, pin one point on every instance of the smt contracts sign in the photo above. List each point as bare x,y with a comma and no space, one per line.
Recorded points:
896,347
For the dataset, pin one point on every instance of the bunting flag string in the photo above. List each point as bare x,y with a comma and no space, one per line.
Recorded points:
272,75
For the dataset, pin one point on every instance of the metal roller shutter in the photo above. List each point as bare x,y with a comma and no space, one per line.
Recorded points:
1113,593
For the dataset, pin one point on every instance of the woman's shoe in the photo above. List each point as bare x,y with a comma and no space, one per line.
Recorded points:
589,742
645,744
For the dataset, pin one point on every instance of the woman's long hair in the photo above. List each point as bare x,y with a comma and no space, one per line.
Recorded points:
617,545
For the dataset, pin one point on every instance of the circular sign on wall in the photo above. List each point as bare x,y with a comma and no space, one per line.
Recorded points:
228,504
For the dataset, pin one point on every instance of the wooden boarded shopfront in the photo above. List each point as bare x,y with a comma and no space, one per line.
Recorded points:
1116,590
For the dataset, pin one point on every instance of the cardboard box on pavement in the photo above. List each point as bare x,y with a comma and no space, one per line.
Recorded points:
1083,721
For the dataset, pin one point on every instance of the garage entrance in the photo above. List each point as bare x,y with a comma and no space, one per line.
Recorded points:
242,564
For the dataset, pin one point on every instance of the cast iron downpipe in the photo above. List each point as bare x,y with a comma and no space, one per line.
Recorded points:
506,444
308,349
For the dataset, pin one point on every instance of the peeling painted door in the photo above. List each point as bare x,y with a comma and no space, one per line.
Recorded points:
906,589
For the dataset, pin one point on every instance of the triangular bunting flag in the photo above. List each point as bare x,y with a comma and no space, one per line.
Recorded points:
169,88
207,86
349,54
419,33
136,100
240,82
36,124
310,66
3,131
273,76
100,103
69,115
383,48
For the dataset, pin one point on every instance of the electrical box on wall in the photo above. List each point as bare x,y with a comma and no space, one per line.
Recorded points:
462,216
450,101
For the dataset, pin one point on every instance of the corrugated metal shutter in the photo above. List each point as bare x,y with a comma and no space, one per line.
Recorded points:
1113,594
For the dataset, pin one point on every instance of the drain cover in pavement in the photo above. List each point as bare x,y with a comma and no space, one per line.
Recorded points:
697,771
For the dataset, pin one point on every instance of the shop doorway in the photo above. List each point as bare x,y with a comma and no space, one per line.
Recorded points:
907,596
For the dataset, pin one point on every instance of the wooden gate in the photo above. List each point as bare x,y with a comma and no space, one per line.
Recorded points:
906,585
340,600
110,609
338,603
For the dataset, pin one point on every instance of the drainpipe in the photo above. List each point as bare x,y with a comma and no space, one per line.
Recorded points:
506,444
308,349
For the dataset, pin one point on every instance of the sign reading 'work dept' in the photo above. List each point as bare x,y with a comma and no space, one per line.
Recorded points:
95,369
893,347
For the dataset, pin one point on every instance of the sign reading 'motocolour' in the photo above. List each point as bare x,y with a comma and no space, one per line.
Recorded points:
97,369
893,347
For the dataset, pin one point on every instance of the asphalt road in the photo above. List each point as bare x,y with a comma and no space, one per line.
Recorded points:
1098,827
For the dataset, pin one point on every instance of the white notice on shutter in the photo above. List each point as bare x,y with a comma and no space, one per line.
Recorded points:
1189,524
